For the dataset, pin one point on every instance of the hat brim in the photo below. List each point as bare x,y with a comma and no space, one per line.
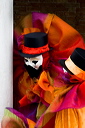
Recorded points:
32,55
62,63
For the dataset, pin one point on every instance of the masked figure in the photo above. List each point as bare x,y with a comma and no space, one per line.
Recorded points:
34,46
48,96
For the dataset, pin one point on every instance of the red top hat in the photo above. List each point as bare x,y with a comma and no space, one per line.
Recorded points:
34,44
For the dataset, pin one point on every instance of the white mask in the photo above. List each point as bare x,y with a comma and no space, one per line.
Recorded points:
34,62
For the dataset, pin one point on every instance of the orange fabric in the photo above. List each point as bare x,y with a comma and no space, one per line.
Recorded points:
64,39
25,83
31,123
70,118
67,118
44,82
75,79
81,90
24,101
30,30
61,35
42,88
26,22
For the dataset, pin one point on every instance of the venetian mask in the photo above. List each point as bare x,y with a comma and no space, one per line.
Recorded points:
34,62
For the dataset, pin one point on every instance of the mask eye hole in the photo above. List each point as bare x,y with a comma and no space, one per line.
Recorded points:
25,60
34,61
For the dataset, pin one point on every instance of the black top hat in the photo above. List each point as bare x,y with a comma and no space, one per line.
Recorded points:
75,64
34,44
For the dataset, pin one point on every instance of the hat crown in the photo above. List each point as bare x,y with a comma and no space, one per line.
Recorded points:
35,40
78,58
35,44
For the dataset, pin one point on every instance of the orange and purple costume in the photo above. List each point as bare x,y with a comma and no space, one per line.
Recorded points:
51,101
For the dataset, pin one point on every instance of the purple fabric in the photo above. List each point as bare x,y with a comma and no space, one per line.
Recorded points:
38,19
20,115
29,111
72,99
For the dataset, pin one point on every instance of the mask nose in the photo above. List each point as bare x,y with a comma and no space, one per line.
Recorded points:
34,62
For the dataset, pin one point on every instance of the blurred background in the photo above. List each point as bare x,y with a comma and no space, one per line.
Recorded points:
71,11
